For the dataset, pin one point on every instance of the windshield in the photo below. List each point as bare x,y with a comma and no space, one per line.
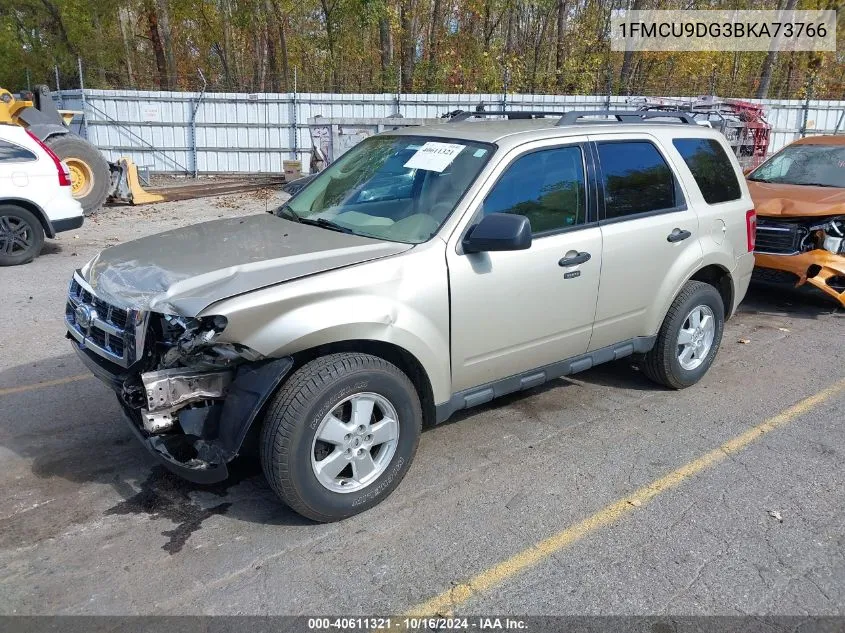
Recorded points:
819,165
397,188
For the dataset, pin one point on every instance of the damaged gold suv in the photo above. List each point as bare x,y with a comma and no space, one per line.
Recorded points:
427,270
799,195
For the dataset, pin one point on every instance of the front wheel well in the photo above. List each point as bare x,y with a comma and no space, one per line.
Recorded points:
402,358
720,279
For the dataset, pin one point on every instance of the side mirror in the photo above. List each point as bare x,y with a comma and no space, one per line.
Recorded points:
499,232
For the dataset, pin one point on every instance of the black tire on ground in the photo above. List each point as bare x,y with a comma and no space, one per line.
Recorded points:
21,235
70,146
294,416
661,364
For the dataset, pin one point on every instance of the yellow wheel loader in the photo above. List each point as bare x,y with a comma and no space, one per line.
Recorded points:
93,179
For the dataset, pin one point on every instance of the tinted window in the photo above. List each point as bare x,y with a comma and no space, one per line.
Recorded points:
711,168
636,179
14,154
547,187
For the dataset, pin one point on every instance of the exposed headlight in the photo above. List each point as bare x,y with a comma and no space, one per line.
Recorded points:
192,342
190,332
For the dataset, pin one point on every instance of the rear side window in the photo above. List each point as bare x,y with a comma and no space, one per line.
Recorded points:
711,168
11,153
636,179
547,187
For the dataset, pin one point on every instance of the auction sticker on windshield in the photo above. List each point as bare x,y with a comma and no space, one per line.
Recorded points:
434,156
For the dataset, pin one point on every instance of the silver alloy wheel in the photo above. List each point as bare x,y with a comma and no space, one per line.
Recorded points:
696,337
355,442
16,236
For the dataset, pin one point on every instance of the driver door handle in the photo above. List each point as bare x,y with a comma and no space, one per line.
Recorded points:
580,258
678,235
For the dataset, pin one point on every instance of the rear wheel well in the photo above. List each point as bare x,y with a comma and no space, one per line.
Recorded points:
35,210
720,279
394,354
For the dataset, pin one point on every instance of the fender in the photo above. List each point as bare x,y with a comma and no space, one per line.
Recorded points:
47,130
680,274
402,301
43,119
358,318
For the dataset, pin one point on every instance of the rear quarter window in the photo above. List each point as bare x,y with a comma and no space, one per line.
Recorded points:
11,153
710,166
636,179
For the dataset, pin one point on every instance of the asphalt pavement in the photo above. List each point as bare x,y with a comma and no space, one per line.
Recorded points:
598,494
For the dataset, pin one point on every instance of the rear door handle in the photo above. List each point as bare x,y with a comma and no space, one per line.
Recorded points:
580,258
678,235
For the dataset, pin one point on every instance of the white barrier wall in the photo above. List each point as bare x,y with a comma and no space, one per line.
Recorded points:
178,132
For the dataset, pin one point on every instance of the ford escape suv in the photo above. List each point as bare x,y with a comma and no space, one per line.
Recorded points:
428,270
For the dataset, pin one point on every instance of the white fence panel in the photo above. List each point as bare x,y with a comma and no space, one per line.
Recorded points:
183,132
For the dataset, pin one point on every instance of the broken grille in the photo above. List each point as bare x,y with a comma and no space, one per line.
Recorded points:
108,331
779,238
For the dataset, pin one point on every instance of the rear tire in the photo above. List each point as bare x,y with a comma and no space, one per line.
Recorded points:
689,337
89,171
21,235
340,434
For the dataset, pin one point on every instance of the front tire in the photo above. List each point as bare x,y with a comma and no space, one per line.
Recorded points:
21,235
340,435
689,337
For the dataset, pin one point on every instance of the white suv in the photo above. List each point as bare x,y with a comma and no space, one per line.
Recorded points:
35,196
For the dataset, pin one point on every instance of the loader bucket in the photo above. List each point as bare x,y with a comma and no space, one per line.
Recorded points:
127,185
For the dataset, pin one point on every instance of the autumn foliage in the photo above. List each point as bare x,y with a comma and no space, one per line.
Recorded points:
488,46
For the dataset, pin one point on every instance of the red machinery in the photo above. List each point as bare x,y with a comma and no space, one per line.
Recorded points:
742,122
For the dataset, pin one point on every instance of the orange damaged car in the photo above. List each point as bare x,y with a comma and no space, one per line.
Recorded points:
799,194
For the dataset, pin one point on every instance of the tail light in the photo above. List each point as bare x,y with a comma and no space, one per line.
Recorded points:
61,168
751,228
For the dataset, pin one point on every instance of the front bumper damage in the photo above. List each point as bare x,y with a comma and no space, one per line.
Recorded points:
189,398
818,267
169,390
195,422
808,250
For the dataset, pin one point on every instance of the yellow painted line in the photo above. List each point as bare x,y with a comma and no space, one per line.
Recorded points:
444,603
47,383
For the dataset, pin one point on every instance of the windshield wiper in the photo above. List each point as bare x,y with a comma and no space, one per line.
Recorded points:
287,212
817,184
326,224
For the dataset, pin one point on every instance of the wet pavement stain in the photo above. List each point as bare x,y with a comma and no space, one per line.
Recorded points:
179,536
163,495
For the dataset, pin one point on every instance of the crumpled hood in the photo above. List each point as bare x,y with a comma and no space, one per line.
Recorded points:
779,200
185,270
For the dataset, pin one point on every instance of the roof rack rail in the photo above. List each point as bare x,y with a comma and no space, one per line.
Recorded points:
626,116
463,115
573,116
